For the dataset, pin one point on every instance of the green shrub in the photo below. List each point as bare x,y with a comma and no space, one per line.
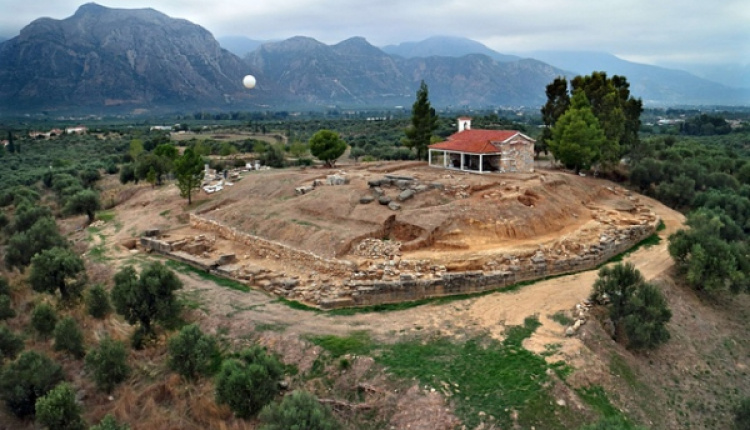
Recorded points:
6,308
10,343
25,380
4,287
647,318
97,302
58,410
110,423
300,410
742,415
44,319
193,353
248,382
108,364
69,337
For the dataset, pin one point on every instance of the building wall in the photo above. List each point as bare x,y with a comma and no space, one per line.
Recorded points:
518,155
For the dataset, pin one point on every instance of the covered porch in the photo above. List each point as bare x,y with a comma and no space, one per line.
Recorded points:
465,161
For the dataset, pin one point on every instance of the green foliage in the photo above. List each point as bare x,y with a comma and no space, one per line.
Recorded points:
23,246
577,138
705,258
148,298
193,353
618,283
249,381
4,286
97,302
612,423
27,214
647,316
10,343
127,174
327,146
44,319
617,113
558,102
6,308
58,269
423,123
273,156
108,364
638,309
58,410
358,342
25,380
189,171
705,125
83,202
742,414
298,411
69,337
109,423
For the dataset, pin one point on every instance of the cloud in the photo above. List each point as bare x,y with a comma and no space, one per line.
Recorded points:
670,29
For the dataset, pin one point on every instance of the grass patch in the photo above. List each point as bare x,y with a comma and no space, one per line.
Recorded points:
483,375
297,305
595,397
165,213
218,280
279,328
561,318
652,240
305,223
105,216
192,300
358,343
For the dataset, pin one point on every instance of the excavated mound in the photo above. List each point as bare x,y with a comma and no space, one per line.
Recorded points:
450,216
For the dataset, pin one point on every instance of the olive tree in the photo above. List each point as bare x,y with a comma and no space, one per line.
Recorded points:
147,298
58,269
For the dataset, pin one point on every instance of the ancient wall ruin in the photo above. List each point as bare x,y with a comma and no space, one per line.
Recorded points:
338,283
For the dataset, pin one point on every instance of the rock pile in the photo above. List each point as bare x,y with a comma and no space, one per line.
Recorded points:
407,187
580,314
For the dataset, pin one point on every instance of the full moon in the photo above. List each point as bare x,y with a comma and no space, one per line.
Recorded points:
249,81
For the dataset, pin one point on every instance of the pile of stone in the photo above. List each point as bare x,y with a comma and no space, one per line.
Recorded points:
339,178
580,315
407,187
376,248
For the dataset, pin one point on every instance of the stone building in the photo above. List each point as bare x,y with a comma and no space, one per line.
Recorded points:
483,151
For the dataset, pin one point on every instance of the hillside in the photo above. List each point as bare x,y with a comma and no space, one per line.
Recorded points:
102,58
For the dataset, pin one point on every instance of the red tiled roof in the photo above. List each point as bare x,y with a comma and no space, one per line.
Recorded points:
475,141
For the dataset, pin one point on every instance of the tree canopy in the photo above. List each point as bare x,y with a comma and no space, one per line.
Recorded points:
577,138
189,171
423,123
147,298
327,146
609,99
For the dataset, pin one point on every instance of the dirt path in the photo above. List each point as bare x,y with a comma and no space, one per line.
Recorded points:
241,312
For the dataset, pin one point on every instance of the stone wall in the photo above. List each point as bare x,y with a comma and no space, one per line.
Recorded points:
433,281
265,248
337,283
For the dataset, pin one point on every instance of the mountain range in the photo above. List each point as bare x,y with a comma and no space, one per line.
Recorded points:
135,60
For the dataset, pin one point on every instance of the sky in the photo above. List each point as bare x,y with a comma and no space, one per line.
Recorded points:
664,32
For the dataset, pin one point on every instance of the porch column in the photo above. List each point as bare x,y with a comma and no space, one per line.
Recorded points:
462,160
480,163
429,157
445,159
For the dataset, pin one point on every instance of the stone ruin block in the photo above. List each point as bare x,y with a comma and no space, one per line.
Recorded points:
337,180
226,259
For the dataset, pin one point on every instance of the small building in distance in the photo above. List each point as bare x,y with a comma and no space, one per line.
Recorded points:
483,151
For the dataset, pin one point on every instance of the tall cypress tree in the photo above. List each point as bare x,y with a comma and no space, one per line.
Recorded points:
423,123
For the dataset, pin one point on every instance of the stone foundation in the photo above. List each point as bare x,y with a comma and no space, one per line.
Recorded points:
338,283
